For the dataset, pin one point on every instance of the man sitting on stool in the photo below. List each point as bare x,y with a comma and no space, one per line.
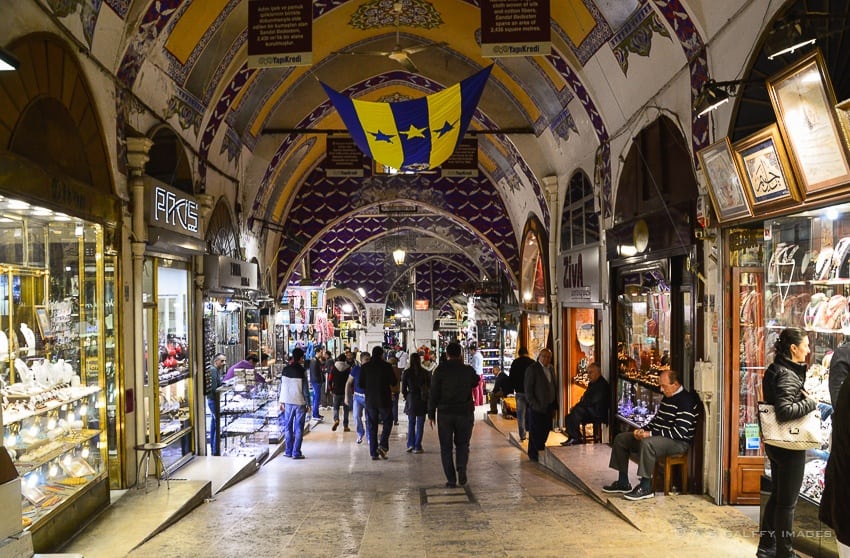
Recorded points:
668,433
592,407
501,388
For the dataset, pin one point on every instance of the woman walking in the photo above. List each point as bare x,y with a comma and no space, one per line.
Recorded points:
783,388
415,384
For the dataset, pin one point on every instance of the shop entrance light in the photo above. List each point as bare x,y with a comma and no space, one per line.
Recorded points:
8,61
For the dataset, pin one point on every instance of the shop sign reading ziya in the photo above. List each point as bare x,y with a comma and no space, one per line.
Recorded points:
578,276
171,209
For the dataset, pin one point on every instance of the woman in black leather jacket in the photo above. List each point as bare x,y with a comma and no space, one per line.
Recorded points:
783,388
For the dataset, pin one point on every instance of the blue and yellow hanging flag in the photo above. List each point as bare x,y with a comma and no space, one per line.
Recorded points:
412,135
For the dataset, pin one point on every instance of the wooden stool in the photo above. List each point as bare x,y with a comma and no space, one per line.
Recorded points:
597,432
151,449
667,463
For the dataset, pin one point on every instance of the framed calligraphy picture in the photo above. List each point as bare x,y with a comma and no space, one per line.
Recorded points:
768,179
724,181
804,101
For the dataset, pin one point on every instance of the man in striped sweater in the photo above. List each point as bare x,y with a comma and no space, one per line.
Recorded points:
668,433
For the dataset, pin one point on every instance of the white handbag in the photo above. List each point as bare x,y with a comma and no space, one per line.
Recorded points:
798,434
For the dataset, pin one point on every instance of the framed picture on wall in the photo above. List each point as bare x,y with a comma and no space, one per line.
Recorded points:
724,181
43,321
768,179
804,102
842,111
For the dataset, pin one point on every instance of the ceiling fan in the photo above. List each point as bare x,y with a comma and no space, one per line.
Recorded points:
397,54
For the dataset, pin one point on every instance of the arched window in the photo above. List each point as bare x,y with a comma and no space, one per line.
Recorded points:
579,220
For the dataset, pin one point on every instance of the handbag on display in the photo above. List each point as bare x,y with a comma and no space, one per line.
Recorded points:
797,434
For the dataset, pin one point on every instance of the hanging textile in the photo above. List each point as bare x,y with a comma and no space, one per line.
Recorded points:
412,135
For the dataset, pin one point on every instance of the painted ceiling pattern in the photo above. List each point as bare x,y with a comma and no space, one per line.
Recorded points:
471,202
222,107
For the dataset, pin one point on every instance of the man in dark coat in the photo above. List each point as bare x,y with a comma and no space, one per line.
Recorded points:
835,501
592,407
542,400
451,395
517,374
376,379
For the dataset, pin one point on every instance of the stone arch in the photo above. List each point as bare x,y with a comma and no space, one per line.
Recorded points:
580,216
657,172
49,113
168,160
221,237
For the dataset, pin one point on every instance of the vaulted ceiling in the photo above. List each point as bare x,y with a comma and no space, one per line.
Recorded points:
258,137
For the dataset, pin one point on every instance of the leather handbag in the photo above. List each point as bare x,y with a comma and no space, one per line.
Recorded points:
797,434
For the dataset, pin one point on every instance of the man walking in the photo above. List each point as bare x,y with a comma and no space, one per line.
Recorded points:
356,397
376,380
294,399
216,372
477,362
517,374
540,393
451,395
317,379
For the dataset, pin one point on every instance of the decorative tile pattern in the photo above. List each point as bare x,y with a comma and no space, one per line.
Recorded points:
598,36
153,22
222,108
189,110
473,201
636,36
231,144
375,14
178,71
603,170
89,9
120,7
677,17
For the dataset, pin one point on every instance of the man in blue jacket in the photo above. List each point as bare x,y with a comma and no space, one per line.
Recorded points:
451,395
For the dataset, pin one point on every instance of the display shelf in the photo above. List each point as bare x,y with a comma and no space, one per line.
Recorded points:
173,379
819,306
61,447
12,413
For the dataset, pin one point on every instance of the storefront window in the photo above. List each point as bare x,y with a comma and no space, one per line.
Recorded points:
643,341
53,364
168,393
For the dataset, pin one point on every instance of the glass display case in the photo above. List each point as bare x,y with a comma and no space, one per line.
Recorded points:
246,407
53,362
747,366
643,342
168,371
807,285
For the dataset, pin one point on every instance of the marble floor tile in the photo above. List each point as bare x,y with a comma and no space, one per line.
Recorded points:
340,503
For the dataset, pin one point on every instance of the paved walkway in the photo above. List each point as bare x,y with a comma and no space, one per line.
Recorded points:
340,503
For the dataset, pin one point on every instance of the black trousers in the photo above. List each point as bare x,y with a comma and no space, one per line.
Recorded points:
454,431
786,471
539,425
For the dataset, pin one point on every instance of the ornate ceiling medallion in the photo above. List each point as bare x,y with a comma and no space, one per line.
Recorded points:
375,14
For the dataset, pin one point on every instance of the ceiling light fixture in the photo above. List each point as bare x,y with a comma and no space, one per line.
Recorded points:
715,93
8,61
398,256
786,38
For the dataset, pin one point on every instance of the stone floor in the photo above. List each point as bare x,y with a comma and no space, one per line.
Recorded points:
339,503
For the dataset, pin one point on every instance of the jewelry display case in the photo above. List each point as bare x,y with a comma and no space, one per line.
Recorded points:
643,343
246,408
808,282
53,367
807,286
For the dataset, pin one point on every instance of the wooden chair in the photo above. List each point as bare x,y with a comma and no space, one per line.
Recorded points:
596,437
664,466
